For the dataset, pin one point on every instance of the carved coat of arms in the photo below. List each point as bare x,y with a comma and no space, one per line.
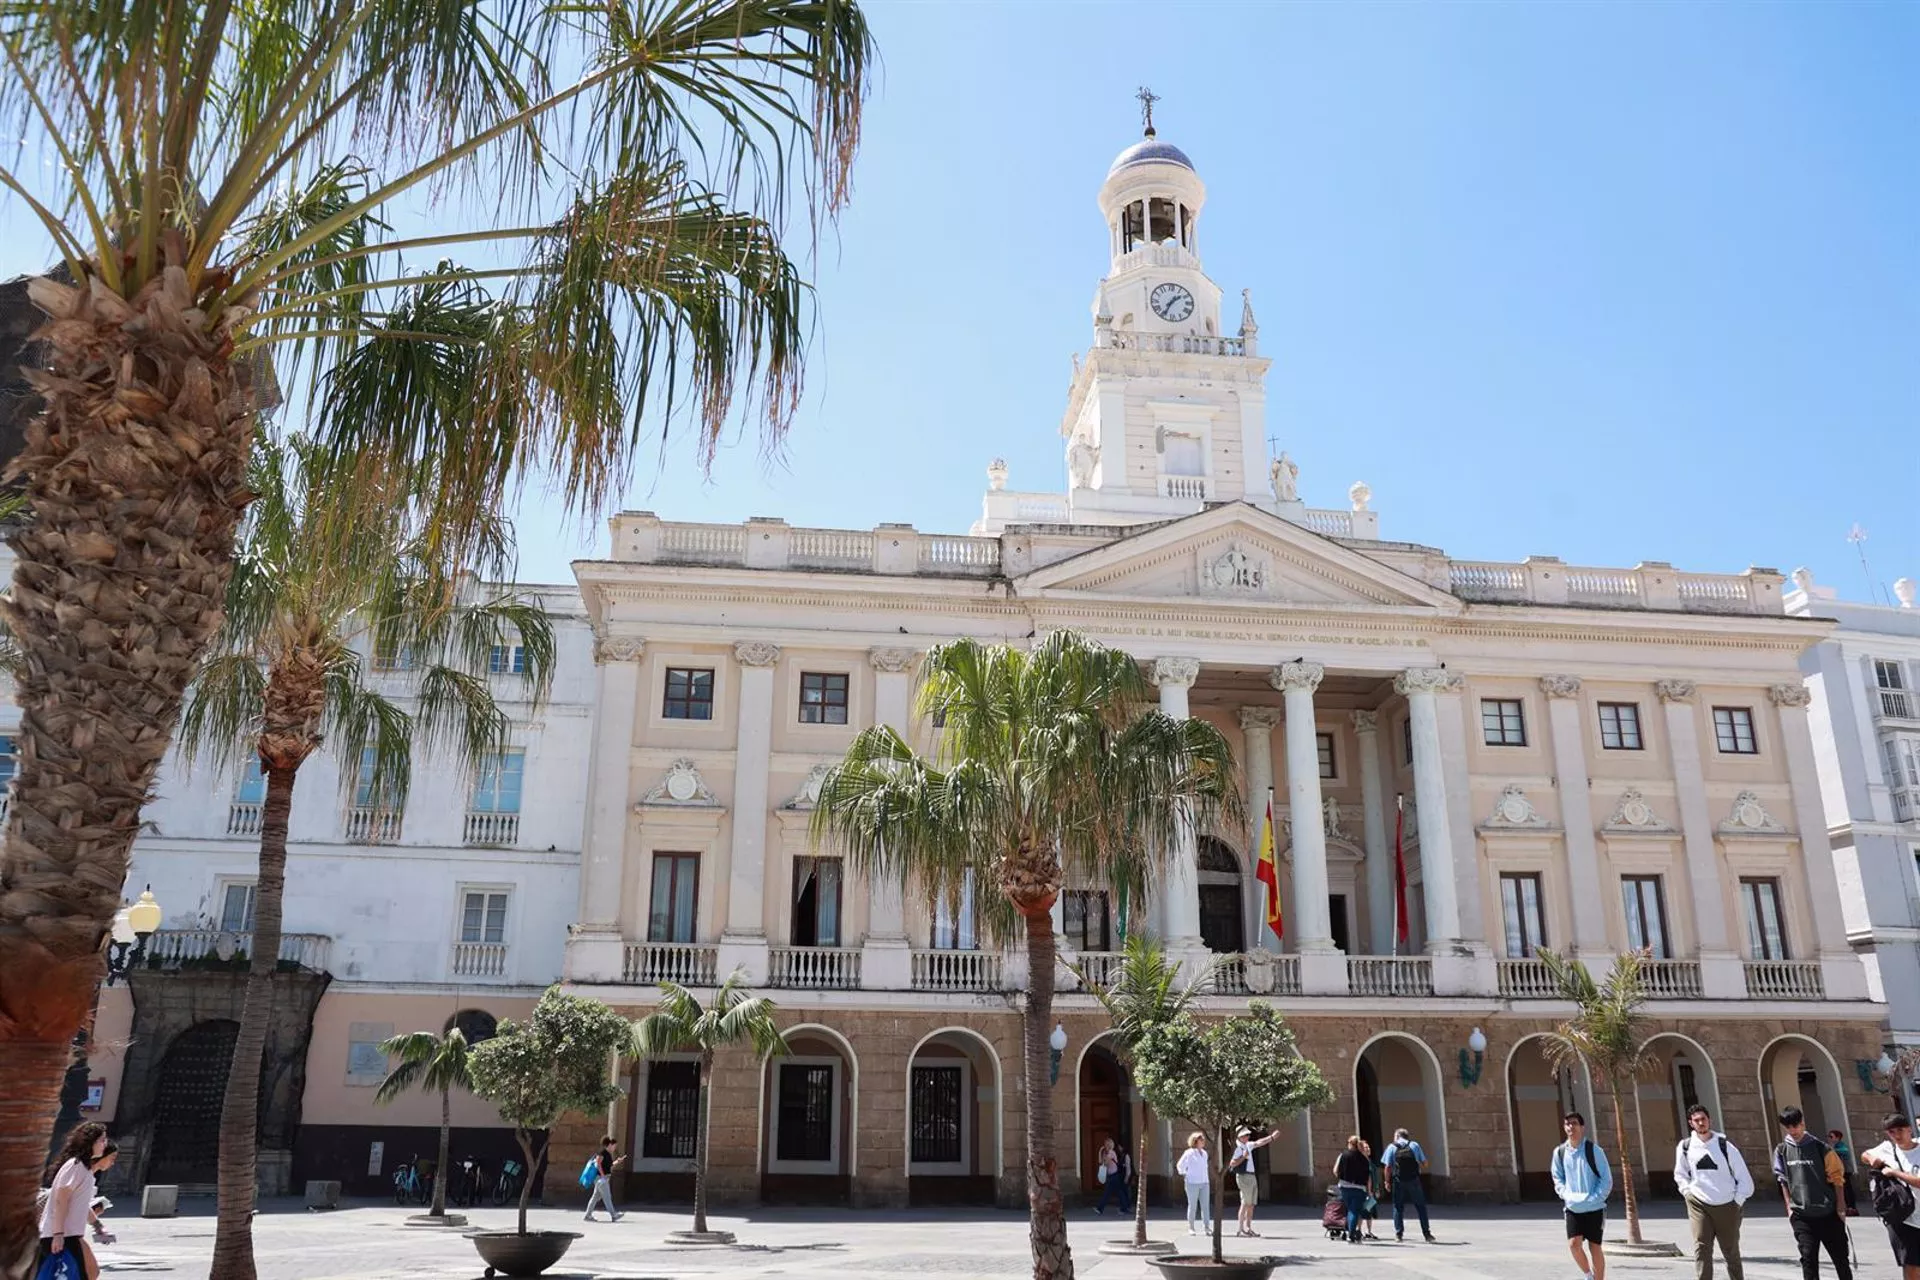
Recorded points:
1233,571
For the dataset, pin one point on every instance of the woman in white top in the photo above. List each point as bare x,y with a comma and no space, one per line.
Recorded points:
63,1222
1899,1157
1194,1171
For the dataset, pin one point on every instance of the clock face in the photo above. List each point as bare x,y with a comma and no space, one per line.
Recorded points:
1171,302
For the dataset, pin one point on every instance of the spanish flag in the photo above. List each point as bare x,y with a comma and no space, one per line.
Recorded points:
1268,871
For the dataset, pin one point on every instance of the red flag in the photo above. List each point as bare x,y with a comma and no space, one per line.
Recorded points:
1267,871
1399,874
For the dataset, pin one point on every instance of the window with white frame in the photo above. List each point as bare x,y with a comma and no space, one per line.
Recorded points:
816,902
1766,926
9,763
953,919
1888,674
507,660
1733,731
236,906
483,915
676,886
496,788
364,794
1646,915
251,788
1520,905
1620,726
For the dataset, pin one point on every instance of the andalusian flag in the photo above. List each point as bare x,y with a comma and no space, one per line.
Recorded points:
1268,872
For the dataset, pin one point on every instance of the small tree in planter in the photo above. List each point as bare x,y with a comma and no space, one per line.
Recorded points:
1214,1074
557,1061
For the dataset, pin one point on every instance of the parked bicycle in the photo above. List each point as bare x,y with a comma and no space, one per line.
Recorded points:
412,1184
512,1174
469,1186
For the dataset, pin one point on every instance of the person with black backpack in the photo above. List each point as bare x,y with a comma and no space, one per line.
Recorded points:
1810,1178
1404,1161
1712,1178
1583,1180
1896,1172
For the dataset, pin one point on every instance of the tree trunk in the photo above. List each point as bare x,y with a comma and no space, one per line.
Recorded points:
439,1209
1140,1188
533,1165
1046,1214
1626,1167
136,475
1219,1188
240,1111
700,1147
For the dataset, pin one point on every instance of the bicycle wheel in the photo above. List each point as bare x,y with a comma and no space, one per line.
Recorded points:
399,1188
502,1190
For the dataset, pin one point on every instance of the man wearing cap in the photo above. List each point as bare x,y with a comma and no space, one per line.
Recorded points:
1244,1145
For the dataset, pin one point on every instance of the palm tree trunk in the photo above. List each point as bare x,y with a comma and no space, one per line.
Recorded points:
1046,1214
1626,1167
240,1112
1140,1187
700,1147
439,1209
136,476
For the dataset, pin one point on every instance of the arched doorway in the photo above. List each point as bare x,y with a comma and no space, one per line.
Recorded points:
1680,1077
186,1106
953,1120
1104,1094
1798,1072
809,1119
1538,1096
1222,918
477,1025
1397,1086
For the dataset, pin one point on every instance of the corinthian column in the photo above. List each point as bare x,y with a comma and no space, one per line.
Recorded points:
1311,924
1257,724
1419,686
1576,815
1179,895
1373,802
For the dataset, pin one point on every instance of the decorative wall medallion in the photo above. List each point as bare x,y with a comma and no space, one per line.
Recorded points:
809,793
617,648
1674,690
1790,695
756,653
1750,817
1633,813
1234,572
1513,809
1560,686
892,660
683,785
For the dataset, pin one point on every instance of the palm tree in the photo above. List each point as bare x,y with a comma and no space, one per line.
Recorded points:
625,174
680,1025
438,1064
1052,765
1607,1034
328,567
1146,992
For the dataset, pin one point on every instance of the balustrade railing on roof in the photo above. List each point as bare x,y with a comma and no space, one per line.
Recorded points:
1544,580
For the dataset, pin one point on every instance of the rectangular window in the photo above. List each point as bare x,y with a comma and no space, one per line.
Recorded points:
672,1125
823,697
1766,929
1733,731
236,906
1325,743
1620,726
497,788
1087,922
252,786
483,917
1181,455
1406,741
816,902
936,1125
390,655
689,694
507,660
953,922
364,796
1646,915
1520,904
805,1112
1888,674
676,880
1501,722
9,762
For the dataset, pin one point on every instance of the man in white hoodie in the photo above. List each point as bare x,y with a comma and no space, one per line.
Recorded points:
1713,1179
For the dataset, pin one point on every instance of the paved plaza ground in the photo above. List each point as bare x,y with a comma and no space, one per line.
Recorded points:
371,1242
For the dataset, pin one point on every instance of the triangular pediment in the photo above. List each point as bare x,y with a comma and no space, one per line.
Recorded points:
1236,554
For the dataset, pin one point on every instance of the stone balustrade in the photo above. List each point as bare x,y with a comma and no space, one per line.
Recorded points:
1652,584
218,948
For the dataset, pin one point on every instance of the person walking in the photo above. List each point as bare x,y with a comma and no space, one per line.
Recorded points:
1898,1160
1810,1178
1370,1206
1713,1179
1113,1187
63,1219
1350,1176
1583,1180
605,1163
1244,1178
1838,1141
1405,1164
1193,1171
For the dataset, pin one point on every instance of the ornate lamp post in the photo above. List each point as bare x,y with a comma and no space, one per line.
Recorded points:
132,926
1056,1045
1470,1067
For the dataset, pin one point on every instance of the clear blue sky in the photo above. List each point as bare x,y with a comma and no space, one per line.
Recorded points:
1608,282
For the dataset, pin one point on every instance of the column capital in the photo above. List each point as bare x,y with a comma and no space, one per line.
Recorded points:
893,661
756,653
1180,673
1674,690
1264,719
608,648
1426,680
1366,722
1793,694
1289,676
1560,686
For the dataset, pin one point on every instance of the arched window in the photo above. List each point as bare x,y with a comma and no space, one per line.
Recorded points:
475,1024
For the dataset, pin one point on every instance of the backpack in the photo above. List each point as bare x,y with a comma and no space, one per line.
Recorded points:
1805,1166
1892,1198
1726,1161
590,1172
1587,1147
1406,1165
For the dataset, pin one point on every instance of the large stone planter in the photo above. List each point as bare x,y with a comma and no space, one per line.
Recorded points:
509,1253
1189,1267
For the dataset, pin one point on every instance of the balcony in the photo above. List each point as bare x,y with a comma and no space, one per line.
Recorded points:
1526,980
491,830
814,968
1101,968
685,964
956,971
1257,973
479,959
1390,975
1671,979
173,949
1192,488
1785,980
243,819
1897,704
1653,585
372,826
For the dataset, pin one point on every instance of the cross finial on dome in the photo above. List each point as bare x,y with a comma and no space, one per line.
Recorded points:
1147,98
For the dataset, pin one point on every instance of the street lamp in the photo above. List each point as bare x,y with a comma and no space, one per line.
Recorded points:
132,926
1470,1069
1056,1045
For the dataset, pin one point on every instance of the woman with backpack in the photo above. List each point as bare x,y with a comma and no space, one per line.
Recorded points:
1896,1170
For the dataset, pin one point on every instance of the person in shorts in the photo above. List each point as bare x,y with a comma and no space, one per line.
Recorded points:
1244,1178
1899,1158
1583,1180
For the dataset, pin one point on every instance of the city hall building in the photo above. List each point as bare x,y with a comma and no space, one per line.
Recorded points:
1586,759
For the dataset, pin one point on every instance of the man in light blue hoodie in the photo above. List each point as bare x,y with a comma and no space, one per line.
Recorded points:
1583,1180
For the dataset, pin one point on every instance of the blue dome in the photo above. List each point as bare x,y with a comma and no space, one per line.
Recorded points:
1147,151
